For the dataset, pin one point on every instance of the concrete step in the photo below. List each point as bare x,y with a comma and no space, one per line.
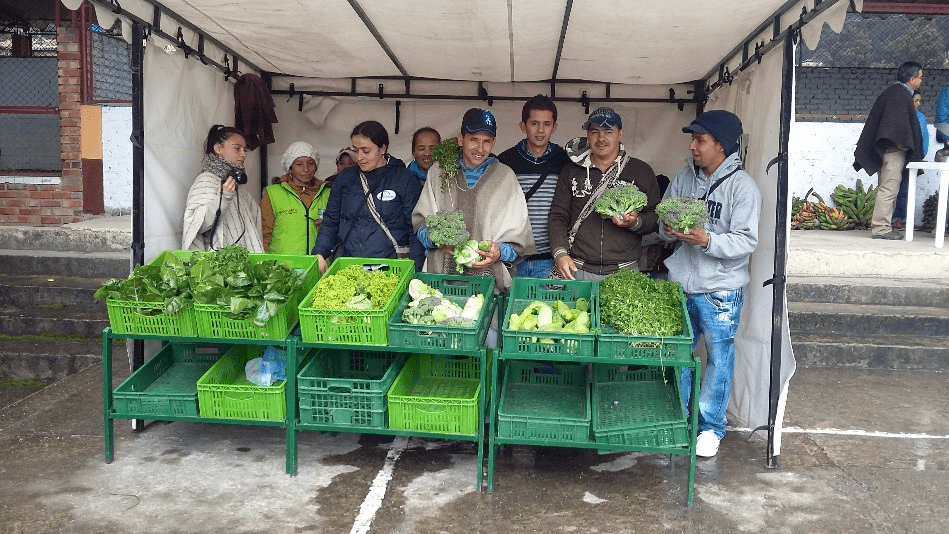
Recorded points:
831,318
86,239
64,321
887,352
65,263
47,360
24,291
894,291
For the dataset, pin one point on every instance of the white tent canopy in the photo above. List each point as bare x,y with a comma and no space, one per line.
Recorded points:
423,62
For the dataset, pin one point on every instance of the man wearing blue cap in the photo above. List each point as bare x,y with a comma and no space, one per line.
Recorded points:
584,245
712,261
488,195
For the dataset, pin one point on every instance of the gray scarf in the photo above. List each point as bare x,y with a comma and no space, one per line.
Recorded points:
218,166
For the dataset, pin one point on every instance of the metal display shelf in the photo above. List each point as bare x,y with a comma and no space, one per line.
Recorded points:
293,345
495,441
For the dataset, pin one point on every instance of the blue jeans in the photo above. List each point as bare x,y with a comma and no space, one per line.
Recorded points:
535,268
716,316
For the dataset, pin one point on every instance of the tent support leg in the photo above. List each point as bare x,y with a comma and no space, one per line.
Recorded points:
780,247
137,356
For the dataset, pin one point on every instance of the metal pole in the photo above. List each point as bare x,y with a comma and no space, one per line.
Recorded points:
780,245
137,357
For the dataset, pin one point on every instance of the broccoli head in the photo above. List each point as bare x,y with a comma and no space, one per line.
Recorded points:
620,200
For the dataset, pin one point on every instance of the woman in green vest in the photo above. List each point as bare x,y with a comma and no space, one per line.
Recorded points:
292,207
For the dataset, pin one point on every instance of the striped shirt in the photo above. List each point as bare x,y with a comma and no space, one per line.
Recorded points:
529,170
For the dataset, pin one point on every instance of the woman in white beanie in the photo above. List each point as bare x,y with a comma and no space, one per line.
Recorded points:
292,207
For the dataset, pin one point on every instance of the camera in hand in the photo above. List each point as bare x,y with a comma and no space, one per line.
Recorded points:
238,174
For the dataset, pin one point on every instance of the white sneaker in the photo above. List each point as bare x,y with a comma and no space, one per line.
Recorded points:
706,445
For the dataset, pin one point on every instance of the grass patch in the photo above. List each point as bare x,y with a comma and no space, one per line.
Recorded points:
47,336
16,383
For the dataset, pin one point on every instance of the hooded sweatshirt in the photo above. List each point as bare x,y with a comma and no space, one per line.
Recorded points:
732,226
347,219
600,247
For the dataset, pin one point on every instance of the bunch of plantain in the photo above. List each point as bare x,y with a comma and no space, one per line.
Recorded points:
834,219
804,213
857,204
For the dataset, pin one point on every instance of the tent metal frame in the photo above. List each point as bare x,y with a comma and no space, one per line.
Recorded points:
142,29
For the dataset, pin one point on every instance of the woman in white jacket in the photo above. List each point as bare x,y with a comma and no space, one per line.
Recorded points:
216,213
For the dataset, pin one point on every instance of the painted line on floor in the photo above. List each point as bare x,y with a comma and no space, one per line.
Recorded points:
377,492
843,432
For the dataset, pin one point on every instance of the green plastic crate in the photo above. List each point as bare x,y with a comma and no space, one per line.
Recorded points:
638,406
211,321
133,317
545,402
451,338
436,394
225,393
354,327
528,343
166,385
661,350
347,387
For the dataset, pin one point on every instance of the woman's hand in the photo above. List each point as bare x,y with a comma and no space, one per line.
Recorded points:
321,263
488,258
229,185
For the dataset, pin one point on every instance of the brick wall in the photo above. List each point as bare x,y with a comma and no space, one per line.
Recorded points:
54,204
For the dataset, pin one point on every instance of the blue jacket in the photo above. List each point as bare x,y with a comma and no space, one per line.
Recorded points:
924,128
942,112
348,222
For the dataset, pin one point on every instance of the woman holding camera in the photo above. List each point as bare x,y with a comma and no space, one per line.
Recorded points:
217,213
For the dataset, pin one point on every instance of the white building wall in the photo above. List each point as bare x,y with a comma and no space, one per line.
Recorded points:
821,156
117,158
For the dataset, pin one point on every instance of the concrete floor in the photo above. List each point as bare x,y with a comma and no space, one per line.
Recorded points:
865,452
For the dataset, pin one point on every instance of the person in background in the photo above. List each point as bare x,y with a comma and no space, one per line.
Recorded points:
291,208
424,141
345,159
899,210
584,245
712,261
889,140
942,115
536,162
369,214
216,213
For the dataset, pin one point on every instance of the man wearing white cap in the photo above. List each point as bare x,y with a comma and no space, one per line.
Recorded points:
291,209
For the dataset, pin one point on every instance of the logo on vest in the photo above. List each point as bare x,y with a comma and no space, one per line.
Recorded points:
386,195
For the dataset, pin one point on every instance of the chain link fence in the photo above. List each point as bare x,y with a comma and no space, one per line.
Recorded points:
111,67
29,96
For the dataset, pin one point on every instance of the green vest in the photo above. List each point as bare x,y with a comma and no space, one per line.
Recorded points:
294,226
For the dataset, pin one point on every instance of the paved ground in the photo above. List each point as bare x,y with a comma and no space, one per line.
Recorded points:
865,452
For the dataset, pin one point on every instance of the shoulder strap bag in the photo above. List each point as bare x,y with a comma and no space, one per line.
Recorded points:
400,250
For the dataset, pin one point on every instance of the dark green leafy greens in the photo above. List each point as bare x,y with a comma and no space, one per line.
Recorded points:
166,282
638,305
680,213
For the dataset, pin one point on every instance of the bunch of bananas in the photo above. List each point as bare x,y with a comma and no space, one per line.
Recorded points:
834,219
804,213
857,204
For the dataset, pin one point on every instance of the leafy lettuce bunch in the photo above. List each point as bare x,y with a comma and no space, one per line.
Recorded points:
681,213
620,200
635,304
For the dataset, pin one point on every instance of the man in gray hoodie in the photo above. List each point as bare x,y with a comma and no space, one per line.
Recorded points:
711,261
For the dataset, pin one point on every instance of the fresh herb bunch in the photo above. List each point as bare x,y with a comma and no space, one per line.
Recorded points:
226,277
620,200
638,305
681,213
447,228
167,282
353,288
446,155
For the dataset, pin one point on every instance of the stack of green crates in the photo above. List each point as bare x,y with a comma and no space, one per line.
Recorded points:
212,321
166,385
530,343
457,288
544,401
354,327
638,406
225,393
347,387
149,318
436,394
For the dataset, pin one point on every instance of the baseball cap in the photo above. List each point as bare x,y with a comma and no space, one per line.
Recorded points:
604,117
479,120
724,126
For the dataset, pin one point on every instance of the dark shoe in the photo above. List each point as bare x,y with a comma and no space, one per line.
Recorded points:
891,235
